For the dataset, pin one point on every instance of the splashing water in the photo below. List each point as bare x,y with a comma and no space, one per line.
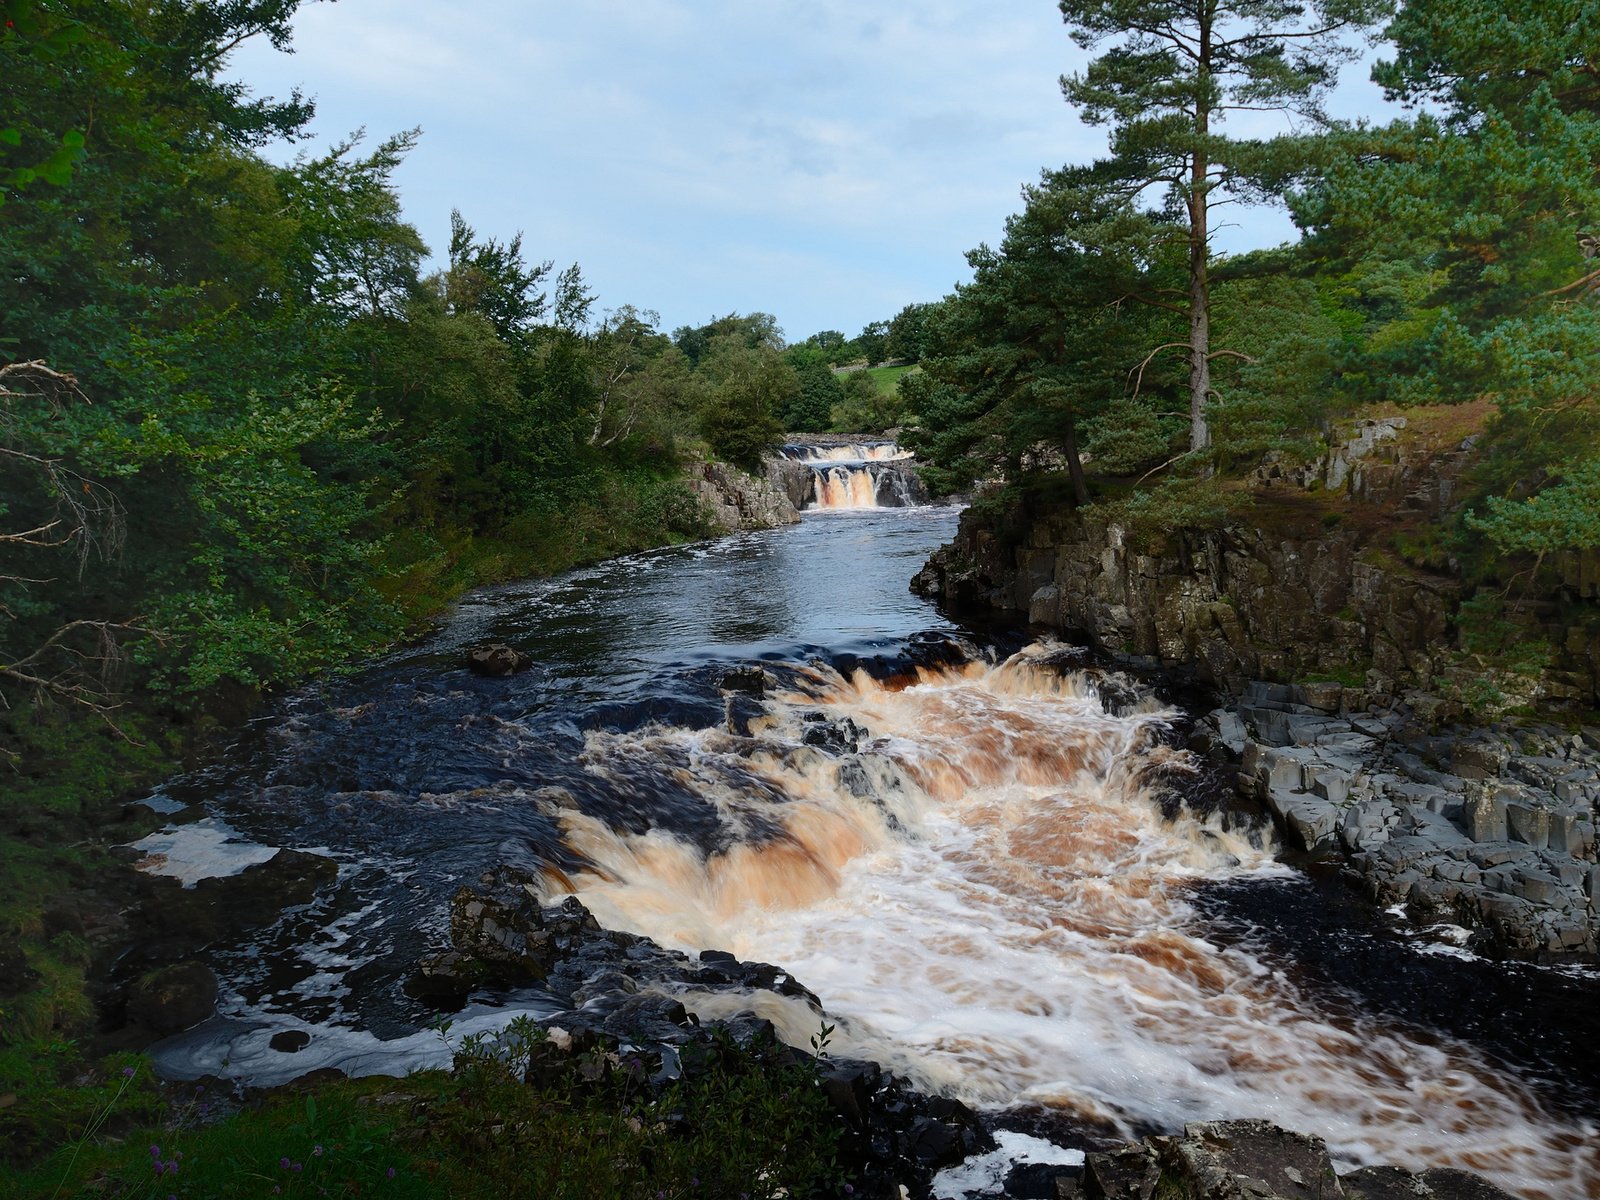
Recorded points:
990,900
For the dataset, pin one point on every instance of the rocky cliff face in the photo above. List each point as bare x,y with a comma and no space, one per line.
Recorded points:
735,500
1333,572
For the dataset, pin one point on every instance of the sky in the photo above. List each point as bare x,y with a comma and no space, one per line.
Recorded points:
826,161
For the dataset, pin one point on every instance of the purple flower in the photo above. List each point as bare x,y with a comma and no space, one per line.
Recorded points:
127,1072
391,1172
297,1167
155,1151
317,1150
284,1163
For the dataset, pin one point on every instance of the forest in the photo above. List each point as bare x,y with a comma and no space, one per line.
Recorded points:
1103,352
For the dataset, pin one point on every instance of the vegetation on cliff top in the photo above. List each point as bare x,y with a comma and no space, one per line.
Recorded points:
1447,257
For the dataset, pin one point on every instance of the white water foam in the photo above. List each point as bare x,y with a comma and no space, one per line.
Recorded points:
209,848
986,1173
992,904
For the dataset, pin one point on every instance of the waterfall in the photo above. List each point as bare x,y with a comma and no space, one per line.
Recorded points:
866,474
974,870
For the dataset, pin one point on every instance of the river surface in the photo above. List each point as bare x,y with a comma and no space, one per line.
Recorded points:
983,890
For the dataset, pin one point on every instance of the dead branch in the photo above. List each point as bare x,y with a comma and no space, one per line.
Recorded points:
1138,372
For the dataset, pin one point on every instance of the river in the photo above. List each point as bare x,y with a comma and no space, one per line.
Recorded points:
983,891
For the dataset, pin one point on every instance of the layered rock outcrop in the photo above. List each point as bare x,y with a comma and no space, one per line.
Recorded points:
1490,830
1311,580
735,500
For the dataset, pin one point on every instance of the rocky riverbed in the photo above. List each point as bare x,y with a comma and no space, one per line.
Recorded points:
1491,829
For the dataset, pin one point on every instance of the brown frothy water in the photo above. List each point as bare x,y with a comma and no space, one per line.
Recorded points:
990,901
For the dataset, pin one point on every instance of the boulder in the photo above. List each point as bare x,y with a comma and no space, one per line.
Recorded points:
173,998
1225,1160
496,660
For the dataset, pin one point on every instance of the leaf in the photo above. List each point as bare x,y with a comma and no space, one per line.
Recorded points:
11,137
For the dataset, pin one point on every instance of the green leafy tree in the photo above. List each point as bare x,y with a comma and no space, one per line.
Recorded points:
818,393
872,342
749,329
863,407
1496,190
907,338
750,385
1035,351
1174,70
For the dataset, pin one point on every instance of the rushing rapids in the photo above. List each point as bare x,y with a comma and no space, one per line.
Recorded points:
857,474
979,867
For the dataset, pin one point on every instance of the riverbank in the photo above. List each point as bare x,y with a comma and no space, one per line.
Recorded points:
82,933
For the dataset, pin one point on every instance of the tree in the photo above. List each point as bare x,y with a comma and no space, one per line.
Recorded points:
1175,71
1497,191
750,385
52,517
907,338
820,389
490,277
1035,350
871,341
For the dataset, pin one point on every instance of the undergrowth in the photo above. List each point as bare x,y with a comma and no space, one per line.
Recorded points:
516,1116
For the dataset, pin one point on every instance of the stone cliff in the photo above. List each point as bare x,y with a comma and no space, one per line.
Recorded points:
1334,570
736,500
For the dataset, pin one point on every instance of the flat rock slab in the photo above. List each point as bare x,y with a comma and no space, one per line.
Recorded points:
1225,1160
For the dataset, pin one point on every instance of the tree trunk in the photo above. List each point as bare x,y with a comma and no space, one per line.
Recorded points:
1080,486
1199,239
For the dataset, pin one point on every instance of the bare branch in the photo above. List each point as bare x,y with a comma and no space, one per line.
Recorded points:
1138,382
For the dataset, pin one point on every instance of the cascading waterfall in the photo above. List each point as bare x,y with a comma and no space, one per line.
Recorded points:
988,899
858,474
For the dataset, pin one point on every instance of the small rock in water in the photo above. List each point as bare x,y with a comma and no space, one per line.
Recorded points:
290,1041
497,660
173,998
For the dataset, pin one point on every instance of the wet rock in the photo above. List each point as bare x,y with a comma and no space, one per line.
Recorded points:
497,660
509,939
842,736
446,979
290,1041
1393,1183
173,998
1129,1173
752,680
1221,1160
1042,1181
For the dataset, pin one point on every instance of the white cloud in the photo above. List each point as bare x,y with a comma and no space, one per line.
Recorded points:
825,160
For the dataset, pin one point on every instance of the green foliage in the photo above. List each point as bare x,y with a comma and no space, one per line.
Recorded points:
907,339
750,386
1172,74
1149,516
864,406
1562,516
818,394
1497,192
515,1116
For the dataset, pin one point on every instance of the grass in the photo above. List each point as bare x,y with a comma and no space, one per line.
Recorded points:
516,1116
888,378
